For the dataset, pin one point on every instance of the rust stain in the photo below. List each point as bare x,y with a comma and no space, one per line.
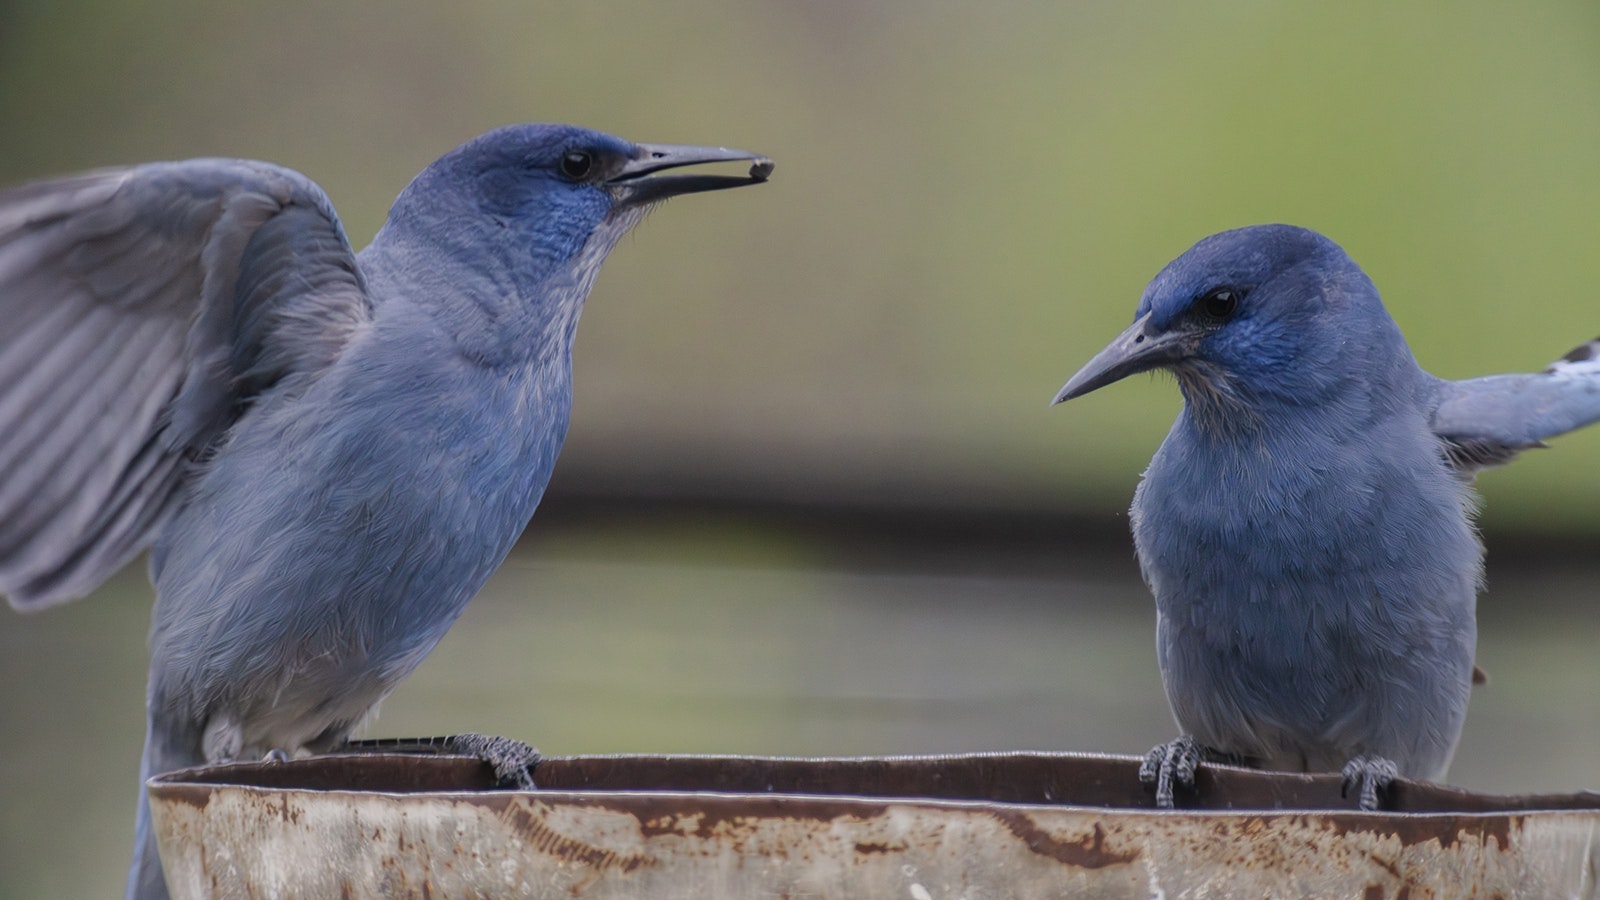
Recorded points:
286,812
675,824
546,840
869,847
197,796
1447,831
1387,866
656,826
731,816
1088,853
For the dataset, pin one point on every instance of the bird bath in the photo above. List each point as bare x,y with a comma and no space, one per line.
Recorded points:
981,825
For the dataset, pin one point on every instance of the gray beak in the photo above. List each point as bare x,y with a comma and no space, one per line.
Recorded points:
634,184
1135,350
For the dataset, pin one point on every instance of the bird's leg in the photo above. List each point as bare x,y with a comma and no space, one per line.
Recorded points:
1372,774
1171,765
512,760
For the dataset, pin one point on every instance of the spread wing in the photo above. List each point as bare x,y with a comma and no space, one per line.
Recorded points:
143,308
1486,421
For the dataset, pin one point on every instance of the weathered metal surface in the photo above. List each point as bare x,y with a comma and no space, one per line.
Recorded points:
978,826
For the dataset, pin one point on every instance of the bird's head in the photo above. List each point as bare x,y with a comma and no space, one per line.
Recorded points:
550,189
501,238
1244,315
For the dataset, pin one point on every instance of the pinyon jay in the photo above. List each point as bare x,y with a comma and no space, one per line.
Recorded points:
329,452
1306,527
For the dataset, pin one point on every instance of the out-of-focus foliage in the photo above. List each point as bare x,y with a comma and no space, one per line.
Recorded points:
969,199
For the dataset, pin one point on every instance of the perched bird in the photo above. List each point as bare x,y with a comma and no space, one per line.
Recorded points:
1306,527
328,451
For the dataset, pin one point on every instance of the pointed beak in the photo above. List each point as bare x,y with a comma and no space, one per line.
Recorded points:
1139,349
637,183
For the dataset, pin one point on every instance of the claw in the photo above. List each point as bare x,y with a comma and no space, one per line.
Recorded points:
513,761
1372,774
1171,765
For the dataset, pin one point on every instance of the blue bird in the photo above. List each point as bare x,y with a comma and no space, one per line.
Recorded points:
328,452
1306,526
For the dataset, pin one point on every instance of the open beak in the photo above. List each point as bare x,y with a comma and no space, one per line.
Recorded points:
638,184
1139,349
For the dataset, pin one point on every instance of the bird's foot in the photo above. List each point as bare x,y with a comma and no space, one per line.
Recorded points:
1371,774
276,755
1171,765
512,760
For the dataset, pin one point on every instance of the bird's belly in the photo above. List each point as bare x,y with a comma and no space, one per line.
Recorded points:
1292,714
309,717
1300,628
287,618
1304,680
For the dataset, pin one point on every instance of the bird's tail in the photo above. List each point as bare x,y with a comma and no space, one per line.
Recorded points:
166,748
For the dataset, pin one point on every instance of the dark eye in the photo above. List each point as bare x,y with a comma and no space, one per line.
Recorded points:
577,164
1219,304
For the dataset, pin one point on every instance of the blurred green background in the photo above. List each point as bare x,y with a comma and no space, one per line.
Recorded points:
813,500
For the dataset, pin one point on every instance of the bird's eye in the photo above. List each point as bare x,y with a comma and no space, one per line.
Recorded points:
1219,304
577,164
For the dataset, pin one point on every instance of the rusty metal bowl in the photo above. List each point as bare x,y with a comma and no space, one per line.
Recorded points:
971,826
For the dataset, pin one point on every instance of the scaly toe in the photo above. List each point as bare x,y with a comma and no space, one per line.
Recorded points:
1372,774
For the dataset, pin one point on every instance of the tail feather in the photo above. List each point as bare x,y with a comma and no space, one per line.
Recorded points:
167,747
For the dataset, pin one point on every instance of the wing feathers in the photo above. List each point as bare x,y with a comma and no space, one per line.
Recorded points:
1486,421
132,342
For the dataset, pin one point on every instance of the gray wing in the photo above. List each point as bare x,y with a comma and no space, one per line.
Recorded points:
140,311
1487,421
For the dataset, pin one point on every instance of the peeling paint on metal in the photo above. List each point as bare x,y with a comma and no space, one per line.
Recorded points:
995,825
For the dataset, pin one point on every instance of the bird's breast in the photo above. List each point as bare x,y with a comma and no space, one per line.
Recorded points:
338,533
1272,534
